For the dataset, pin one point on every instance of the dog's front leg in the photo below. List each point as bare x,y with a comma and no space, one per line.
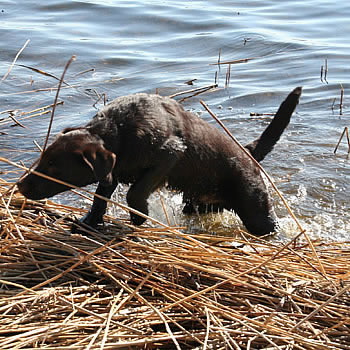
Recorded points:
146,184
98,208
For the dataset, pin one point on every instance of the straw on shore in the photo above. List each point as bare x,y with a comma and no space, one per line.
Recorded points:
161,288
150,287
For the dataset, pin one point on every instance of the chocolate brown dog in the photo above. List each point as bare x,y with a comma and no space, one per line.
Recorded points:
148,141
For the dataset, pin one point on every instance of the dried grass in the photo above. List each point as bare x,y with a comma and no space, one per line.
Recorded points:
157,288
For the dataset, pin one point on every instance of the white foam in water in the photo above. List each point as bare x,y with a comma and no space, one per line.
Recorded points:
172,207
299,197
323,226
224,223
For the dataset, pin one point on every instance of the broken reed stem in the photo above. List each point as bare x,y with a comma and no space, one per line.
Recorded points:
272,183
345,131
16,121
244,60
85,71
108,322
36,70
316,311
14,61
163,207
55,102
199,89
340,138
207,329
43,112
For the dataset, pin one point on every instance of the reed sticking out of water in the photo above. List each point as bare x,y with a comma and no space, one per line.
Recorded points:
14,61
341,99
55,101
324,71
219,60
345,132
228,76
99,98
333,103
217,72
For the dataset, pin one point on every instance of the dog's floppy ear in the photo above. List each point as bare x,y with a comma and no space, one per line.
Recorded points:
101,161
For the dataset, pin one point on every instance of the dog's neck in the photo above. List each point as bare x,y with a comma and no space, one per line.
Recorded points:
103,132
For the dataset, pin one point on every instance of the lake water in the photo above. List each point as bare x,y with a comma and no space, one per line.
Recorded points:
132,46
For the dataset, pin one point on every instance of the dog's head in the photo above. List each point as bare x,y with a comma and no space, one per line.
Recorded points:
75,157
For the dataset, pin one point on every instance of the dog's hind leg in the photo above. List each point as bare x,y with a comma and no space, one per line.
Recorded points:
150,180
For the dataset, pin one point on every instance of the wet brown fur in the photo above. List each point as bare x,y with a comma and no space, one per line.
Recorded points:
148,141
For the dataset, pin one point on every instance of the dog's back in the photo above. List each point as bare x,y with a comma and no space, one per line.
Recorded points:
139,127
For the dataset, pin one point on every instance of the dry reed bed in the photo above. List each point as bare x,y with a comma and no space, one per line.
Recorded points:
159,288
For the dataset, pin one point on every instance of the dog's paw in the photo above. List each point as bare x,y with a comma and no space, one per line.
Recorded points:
188,208
136,219
87,221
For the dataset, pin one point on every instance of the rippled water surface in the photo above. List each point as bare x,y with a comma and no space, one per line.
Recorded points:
132,46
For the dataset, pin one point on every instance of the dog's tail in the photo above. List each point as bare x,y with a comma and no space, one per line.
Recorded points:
260,147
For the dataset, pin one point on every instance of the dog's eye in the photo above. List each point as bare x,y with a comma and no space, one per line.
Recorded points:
51,168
